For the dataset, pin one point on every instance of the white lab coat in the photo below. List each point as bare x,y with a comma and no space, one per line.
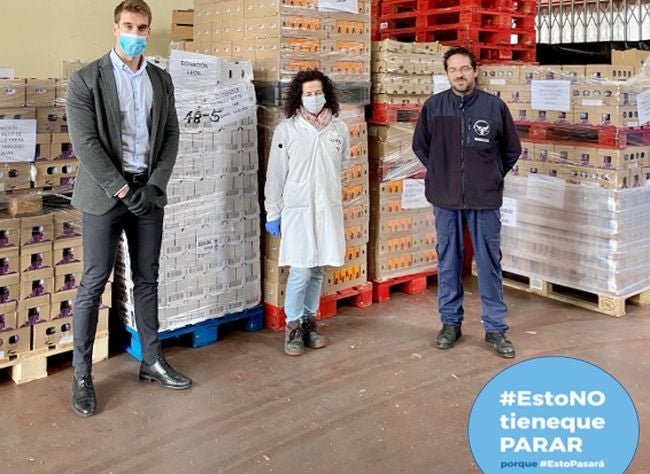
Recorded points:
303,186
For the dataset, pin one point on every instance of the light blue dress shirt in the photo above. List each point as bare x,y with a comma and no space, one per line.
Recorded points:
135,95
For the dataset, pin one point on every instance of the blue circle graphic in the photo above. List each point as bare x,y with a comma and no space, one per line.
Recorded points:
553,414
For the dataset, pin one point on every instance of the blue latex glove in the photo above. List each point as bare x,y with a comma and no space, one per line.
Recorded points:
273,227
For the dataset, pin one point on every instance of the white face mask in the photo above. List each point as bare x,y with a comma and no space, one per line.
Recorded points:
313,103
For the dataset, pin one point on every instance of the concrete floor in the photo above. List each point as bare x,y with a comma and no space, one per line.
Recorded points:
381,398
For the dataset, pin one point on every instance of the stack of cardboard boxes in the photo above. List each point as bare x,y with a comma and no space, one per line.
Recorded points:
41,262
402,233
283,37
210,256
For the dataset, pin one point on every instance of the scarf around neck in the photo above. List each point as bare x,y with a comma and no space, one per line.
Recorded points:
319,121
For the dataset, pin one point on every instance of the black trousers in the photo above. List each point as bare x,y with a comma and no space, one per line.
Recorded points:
101,235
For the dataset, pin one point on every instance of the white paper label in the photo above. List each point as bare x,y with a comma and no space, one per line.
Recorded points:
193,71
509,212
225,105
2,355
550,95
592,102
7,73
546,189
350,6
536,284
643,107
497,82
440,83
413,194
17,140
67,339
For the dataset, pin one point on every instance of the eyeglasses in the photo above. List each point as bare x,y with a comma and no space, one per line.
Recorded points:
463,69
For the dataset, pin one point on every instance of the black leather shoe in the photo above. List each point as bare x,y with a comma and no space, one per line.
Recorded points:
83,402
501,344
160,371
448,336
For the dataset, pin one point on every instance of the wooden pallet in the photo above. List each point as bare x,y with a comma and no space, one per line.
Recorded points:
203,333
410,284
359,296
605,304
32,365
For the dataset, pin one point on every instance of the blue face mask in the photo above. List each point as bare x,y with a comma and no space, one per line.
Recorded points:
132,45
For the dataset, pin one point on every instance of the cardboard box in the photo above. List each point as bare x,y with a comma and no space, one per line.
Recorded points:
543,152
18,113
59,173
36,257
33,311
43,146
9,233
62,304
34,284
351,274
261,8
40,92
610,73
51,120
53,334
21,203
9,261
607,115
67,277
565,154
574,73
629,57
67,251
522,112
9,288
67,224
275,273
274,293
62,146
630,157
14,343
8,316
12,92
498,75
36,229
15,176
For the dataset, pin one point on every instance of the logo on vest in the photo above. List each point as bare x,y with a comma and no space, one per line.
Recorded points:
482,129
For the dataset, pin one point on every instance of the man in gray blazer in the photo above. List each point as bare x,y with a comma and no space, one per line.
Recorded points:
123,127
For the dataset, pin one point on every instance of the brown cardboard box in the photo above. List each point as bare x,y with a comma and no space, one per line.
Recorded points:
51,120
339,278
273,272
527,151
67,223
607,115
62,304
244,48
40,93
35,257
14,343
10,287
607,72
529,73
565,154
43,146
222,49
543,152
274,293
61,89
233,29
67,277
630,57
630,157
498,75
12,92
261,8
522,112
62,146
36,229
18,113
14,176
59,173
33,311
9,261
32,285
271,246
53,334
573,73
9,232
67,251
8,316
22,203
202,33
182,32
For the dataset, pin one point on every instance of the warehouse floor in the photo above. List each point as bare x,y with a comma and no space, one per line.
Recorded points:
381,398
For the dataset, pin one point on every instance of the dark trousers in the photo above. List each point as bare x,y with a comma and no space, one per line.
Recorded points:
485,229
101,235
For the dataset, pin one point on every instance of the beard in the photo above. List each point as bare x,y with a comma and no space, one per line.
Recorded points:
463,87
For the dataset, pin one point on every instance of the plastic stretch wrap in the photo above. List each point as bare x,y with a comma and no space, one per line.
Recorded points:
391,154
402,73
210,257
282,38
583,237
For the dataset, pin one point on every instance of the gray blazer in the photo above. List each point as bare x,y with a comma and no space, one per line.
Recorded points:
93,114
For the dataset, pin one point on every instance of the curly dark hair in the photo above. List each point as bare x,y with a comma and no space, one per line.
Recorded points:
294,96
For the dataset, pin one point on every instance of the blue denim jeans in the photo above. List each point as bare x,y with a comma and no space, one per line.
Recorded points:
302,296
485,229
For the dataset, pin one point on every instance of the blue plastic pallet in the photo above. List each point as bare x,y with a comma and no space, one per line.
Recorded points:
204,333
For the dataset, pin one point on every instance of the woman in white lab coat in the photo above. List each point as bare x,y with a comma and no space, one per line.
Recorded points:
303,200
